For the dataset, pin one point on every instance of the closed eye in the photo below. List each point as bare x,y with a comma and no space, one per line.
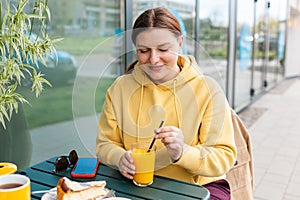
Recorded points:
143,50
163,50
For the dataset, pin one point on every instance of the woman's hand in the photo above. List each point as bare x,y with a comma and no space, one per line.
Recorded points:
126,166
173,139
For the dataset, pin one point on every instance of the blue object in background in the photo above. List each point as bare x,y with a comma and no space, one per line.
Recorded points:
118,31
280,45
245,47
176,14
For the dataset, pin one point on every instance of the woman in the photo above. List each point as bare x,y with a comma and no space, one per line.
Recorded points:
196,143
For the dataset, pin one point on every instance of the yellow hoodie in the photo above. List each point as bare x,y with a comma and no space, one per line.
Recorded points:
193,102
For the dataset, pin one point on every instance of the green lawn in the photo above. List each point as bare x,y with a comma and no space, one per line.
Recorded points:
82,45
55,104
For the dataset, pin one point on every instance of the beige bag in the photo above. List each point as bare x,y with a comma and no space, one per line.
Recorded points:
240,177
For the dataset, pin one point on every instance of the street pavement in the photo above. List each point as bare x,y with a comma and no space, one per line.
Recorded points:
275,134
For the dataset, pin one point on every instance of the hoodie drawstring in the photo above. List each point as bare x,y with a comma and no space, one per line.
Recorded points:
175,102
141,104
140,110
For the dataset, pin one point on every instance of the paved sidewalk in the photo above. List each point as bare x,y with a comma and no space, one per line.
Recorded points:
276,142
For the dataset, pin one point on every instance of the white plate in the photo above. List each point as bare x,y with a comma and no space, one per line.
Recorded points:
47,196
51,195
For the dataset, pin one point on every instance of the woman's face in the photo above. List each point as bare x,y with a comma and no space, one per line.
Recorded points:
157,53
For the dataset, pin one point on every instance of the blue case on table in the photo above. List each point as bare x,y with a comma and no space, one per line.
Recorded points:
85,168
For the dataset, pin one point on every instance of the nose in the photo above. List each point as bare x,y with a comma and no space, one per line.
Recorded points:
154,57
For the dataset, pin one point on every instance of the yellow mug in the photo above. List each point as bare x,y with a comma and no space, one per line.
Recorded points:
7,168
14,186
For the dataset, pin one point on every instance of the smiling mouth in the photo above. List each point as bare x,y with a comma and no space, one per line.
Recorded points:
156,67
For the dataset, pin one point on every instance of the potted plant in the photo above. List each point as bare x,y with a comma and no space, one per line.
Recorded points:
20,56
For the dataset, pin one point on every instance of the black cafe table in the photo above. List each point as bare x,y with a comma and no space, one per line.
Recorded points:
43,178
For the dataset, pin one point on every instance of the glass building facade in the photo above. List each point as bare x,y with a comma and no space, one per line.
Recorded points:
242,44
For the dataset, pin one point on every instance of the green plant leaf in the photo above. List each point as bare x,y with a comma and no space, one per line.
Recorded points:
20,53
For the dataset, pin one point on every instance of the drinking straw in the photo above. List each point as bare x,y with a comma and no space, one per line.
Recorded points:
161,123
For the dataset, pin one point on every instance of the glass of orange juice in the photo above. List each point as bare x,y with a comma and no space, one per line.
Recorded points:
144,162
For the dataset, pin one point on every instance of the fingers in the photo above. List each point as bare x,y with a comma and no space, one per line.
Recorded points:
168,131
169,134
169,139
173,140
126,166
127,175
128,159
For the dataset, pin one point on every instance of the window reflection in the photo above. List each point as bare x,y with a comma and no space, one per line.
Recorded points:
64,117
267,22
214,38
244,50
276,30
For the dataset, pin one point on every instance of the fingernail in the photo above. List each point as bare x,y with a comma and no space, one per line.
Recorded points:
157,130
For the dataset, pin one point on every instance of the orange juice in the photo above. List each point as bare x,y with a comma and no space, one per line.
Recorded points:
144,166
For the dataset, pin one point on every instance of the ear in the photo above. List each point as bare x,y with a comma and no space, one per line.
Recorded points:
180,42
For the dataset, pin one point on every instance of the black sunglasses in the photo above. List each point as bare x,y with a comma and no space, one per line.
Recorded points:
63,162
